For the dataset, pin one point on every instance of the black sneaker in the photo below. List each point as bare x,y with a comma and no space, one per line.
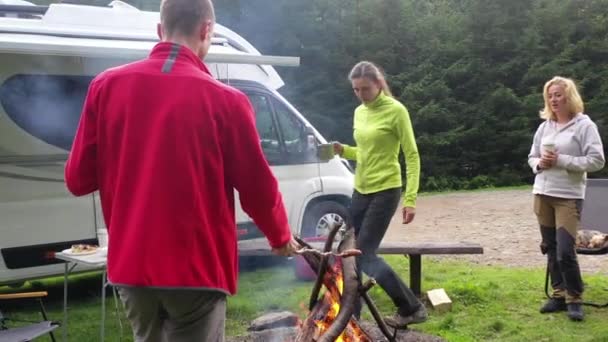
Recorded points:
399,321
554,305
575,311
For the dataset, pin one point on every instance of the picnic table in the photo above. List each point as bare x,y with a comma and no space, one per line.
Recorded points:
97,260
411,250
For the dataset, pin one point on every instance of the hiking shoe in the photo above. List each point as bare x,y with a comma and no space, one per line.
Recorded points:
554,305
399,321
575,311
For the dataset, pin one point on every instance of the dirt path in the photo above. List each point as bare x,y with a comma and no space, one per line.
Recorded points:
501,221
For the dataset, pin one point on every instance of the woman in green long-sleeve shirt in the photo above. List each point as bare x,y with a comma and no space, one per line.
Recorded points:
381,127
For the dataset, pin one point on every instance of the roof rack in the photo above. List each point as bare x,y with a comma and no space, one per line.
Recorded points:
245,58
126,50
107,41
92,35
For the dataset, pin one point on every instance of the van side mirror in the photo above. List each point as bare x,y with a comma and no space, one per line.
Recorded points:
311,139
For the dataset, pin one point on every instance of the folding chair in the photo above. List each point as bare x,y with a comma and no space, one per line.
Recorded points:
594,217
33,329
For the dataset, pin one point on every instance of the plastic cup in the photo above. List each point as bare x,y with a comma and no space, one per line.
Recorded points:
548,147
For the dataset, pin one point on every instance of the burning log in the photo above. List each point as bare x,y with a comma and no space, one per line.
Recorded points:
331,318
350,291
310,330
322,269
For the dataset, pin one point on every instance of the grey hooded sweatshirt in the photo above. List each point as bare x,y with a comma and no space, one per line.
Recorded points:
579,148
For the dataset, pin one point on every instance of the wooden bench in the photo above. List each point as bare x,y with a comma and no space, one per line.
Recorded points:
411,250
33,329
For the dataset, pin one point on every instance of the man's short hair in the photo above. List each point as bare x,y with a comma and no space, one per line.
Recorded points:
183,16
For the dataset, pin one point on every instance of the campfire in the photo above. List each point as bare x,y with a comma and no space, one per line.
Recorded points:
333,301
331,314
326,311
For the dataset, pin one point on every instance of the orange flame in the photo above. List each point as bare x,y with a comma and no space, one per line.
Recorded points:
353,332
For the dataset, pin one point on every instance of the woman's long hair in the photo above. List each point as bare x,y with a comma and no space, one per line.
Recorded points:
369,70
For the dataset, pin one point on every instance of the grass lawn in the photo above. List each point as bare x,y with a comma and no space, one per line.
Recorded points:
490,303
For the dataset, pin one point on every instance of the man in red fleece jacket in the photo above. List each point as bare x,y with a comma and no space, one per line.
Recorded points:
166,145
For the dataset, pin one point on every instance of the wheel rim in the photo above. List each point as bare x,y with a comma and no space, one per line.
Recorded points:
326,222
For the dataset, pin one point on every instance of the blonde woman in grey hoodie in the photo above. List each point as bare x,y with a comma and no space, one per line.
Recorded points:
566,146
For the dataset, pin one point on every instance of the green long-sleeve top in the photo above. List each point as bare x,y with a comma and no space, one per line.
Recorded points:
380,127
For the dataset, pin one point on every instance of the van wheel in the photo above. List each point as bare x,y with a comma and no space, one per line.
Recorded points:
321,216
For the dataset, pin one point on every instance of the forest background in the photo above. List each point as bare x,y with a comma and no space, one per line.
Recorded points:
470,72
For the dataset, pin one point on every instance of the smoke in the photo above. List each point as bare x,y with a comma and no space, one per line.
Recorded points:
281,335
271,286
273,335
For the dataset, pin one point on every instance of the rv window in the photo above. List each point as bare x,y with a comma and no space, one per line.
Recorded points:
266,128
291,128
294,136
46,106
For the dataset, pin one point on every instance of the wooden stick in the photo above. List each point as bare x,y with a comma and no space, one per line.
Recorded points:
374,310
368,285
314,296
22,295
350,293
302,242
316,289
345,254
331,237
309,326
313,260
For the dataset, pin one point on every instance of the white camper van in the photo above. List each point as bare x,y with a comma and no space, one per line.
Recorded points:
48,56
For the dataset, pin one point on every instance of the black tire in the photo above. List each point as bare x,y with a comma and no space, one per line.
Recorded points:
325,210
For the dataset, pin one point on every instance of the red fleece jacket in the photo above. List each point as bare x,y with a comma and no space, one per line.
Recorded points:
166,145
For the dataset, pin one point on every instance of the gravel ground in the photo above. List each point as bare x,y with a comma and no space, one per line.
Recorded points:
501,221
